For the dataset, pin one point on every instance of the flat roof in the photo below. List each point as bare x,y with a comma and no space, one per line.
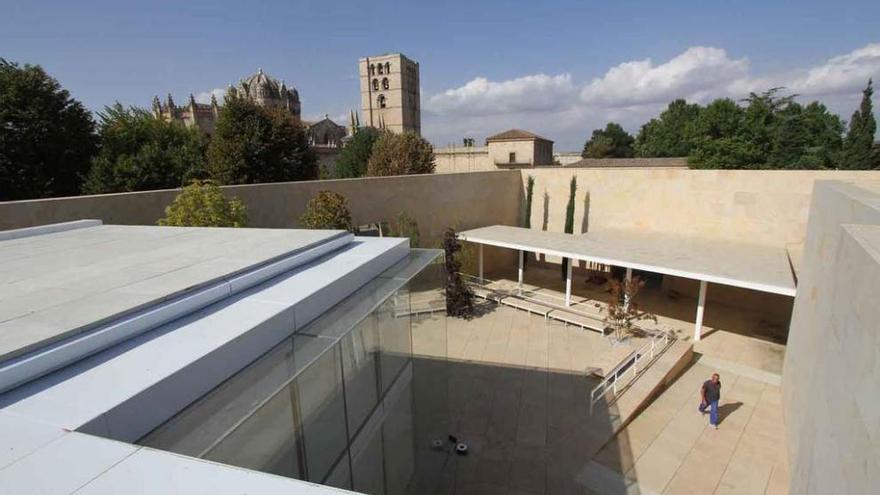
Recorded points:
59,284
751,266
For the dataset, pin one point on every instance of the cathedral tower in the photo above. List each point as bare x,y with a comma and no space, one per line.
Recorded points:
390,93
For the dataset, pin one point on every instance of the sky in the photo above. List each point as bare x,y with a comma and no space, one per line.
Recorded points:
557,68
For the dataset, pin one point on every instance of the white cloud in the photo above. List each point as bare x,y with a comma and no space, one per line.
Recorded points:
205,96
480,96
633,92
689,75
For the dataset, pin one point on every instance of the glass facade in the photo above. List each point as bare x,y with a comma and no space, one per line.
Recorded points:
350,401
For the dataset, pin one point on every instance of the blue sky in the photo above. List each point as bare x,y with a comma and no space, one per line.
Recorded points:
559,68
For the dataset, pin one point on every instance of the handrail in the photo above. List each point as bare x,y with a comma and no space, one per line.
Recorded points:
611,380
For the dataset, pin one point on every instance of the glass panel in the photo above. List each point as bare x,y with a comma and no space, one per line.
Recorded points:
398,435
320,404
340,476
395,338
367,461
359,371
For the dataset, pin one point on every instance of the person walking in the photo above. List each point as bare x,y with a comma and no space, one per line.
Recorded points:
711,394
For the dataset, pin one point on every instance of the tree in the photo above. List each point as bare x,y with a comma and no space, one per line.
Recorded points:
858,151
141,152
611,142
806,138
527,212
327,210
569,221
202,204
408,227
401,154
673,133
623,313
459,297
352,161
253,144
47,138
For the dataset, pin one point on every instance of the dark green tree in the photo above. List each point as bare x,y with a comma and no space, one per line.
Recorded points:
673,133
47,139
400,154
352,161
527,211
459,297
141,152
858,153
611,142
806,138
569,220
253,144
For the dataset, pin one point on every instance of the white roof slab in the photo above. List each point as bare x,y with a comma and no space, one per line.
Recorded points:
62,283
739,264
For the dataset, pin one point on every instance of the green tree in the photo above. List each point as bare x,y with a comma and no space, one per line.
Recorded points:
141,152
527,212
611,142
569,220
327,210
806,138
202,204
47,139
858,153
400,154
253,144
408,227
352,161
719,142
459,297
673,133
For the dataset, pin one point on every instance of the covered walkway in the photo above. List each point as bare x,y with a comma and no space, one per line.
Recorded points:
738,264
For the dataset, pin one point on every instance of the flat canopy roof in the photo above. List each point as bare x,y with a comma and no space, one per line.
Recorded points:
738,264
58,284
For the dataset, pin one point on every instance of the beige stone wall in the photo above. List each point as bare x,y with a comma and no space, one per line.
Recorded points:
765,207
680,162
462,159
832,364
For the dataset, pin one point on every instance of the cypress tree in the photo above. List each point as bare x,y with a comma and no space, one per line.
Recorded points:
527,214
569,220
858,146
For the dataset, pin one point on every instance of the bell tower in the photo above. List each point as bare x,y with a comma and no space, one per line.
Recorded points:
390,97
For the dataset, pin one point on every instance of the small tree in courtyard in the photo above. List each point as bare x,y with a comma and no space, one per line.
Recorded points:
623,313
527,213
408,227
202,204
327,210
459,297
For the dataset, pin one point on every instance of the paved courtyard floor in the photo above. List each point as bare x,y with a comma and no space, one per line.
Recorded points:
670,448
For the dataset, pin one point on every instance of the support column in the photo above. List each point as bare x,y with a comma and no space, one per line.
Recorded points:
481,264
568,284
520,280
629,276
701,302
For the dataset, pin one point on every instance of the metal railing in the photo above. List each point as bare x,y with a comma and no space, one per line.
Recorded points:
649,350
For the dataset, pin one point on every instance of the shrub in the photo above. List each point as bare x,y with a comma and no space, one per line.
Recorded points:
408,227
327,210
202,204
459,297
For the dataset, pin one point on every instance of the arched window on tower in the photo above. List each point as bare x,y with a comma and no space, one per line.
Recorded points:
384,83
381,101
375,85
388,67
372,69
379,67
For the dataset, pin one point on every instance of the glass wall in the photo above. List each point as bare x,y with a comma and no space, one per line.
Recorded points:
354,400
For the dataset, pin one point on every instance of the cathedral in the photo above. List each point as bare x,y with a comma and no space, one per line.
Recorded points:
259,88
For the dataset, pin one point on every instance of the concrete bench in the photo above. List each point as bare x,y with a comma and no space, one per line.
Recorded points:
581,320
529,306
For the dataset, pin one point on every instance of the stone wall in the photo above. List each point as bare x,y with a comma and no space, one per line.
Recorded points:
679,162
763,207
832,364
462,159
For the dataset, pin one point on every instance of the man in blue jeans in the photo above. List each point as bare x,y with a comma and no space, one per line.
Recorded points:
711,394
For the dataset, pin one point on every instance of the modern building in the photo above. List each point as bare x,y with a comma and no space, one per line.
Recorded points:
390,94
259,88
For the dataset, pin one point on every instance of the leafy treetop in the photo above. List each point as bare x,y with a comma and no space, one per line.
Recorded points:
401,154
202,204
327,210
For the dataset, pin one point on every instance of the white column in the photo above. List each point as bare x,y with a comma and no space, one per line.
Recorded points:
481,264
629,276
568,284
521,256
701,302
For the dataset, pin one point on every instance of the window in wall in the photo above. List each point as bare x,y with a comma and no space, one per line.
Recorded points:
384,83
375,85
381,101
387,67
512,157
372,69
379,67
